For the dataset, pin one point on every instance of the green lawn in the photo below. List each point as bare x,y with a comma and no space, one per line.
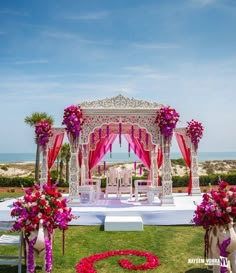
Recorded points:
174,245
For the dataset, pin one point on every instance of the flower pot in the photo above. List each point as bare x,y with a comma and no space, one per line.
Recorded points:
221,247
39,243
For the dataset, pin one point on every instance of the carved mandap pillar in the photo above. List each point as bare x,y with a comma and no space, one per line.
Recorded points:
154,167
44,168
194,169
74,170
167,197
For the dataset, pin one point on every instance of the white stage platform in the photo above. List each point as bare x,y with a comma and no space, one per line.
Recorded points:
152,214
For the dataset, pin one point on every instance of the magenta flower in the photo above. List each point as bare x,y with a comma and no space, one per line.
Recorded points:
195,132
167,119
73,120
43,131
217,207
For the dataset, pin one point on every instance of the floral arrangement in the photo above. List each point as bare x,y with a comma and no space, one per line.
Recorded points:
44,206
86,264
217,208
43,131
166,119
73,119
194,131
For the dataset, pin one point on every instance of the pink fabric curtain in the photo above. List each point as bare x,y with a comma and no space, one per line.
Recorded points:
53,153
142,154
187,157
101,149
159,163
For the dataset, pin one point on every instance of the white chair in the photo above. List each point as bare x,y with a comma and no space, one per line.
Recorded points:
7,240
125,185
112,182
96,185
147,187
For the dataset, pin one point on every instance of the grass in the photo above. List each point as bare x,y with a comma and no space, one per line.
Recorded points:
173,245
10,194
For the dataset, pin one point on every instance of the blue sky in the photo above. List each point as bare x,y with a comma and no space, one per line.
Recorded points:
179,53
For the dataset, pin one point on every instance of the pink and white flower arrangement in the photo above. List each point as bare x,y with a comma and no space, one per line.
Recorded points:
167,119
217,207
41,206
43,131
73,119
195,132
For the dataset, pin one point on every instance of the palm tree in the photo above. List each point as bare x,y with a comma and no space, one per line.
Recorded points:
32,120
65,156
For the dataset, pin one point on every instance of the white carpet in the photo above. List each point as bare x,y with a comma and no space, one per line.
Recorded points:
152,214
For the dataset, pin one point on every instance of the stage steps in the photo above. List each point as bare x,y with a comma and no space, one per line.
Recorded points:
123,223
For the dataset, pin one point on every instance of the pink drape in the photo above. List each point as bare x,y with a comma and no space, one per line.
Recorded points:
159,163
187,157
142,154
53,152
103,146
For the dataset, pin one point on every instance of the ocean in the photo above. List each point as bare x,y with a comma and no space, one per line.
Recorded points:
120,157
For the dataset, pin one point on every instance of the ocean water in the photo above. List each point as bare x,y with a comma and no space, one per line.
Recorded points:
120,157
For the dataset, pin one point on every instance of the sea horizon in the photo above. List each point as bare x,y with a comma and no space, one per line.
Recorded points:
119,157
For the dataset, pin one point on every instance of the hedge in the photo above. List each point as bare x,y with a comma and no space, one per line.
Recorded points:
178,181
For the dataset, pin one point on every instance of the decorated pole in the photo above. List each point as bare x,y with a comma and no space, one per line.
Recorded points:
194,131
73,119
166,119
43,131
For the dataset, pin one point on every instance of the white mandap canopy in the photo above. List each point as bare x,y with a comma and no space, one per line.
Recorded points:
106,119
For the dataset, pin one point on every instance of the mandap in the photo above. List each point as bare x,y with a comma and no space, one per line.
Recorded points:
148,128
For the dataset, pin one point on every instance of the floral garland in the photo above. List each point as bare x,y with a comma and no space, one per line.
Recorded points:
46,207
86,264
43,131
217,207
166,119
73,119
195,131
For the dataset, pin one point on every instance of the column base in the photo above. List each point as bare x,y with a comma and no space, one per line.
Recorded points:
196,191
73,201
167,200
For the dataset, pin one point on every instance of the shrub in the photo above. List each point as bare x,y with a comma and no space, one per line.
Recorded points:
179,161
16,181
4,168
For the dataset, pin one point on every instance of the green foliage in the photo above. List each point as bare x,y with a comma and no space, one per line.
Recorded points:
16,181
179,161
205,180
4,168
35,117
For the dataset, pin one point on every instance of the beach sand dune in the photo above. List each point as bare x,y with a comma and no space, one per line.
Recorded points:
207,167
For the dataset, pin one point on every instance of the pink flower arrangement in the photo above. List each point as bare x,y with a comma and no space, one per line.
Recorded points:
217,208
46,207
86,264
166,119
73,119
43,131
195,132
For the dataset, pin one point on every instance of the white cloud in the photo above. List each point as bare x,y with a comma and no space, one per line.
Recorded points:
14,12
155,46
203,3
23,62
88,16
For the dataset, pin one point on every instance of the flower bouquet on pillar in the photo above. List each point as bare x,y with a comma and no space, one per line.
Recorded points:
38,214
217,214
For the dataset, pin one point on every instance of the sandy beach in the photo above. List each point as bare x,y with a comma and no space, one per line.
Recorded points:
207,167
